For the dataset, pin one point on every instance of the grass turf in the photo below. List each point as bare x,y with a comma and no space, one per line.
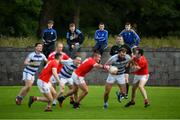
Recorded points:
165,103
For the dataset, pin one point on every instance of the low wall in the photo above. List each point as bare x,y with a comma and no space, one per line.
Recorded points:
164,66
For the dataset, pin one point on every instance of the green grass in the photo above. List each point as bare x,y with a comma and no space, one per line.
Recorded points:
165,104
172,42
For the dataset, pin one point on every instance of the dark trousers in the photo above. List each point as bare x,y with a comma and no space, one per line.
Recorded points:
100,47
47,49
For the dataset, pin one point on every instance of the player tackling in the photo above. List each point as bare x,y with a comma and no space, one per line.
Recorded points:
78,77
44,83
140,68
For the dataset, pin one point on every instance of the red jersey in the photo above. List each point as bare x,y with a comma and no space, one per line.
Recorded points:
52,56
85,67
143,64
46,73
64,57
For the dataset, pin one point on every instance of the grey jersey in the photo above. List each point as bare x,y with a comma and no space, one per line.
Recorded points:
67,69
119,63
34,57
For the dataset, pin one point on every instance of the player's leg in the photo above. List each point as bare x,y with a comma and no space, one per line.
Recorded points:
69,93
48,95
133,94
108,87
72,96
122,89
54,84
122,86
109,82
127,84
29,80
84,88
141,85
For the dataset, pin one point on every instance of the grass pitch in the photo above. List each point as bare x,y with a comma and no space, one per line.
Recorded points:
165,104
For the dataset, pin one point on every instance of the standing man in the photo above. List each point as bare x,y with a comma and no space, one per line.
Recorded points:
101,39
44,84
32,62
131,38
49,37
74,40
78,77
140,68
119,43
119,60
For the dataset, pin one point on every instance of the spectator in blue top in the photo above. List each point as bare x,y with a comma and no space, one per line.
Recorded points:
49,37
130,36
101,39
74,39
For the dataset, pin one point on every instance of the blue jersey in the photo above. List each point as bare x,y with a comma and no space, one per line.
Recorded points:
49,35
130,37
101,36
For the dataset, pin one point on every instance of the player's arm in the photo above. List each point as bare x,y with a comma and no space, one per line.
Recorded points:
108,63
28,61
54,71
98,65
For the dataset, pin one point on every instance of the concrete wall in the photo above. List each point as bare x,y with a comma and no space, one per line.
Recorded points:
164,65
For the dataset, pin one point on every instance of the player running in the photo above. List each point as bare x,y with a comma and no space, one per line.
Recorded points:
78,77
65,75
140,66
32,62
119,60
45,85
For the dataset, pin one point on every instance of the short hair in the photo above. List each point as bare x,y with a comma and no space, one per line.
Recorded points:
122,49
101,23
96,53
50,21
72,25
140,51
36,44
57,55
59,43
128,23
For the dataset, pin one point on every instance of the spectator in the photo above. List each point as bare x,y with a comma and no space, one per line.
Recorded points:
130,36
101,39
74,40
119,42
49,37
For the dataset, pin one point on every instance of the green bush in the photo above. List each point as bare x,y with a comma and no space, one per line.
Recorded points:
23,42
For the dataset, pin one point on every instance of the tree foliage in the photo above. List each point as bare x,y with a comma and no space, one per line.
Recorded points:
149,17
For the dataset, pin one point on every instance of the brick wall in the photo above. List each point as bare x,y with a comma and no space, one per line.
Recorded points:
164,66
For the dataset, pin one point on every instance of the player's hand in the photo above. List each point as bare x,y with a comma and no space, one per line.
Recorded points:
106,67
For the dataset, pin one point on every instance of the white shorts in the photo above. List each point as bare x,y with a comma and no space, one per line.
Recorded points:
77,79
64,81
53,80
140,77
43,86
120,79
27,76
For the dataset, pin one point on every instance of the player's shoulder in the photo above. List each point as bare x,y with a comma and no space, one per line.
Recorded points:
31,54
78,31
128,57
